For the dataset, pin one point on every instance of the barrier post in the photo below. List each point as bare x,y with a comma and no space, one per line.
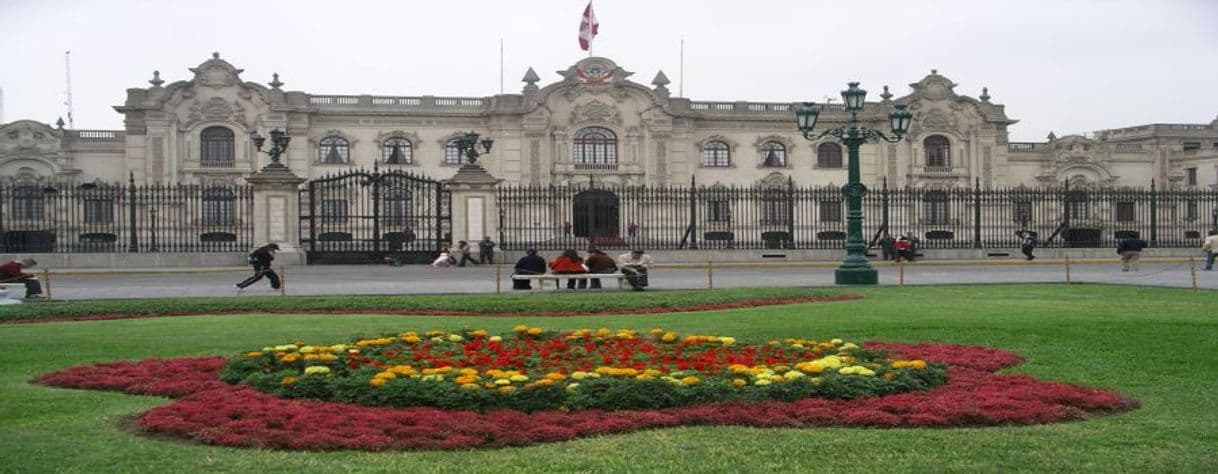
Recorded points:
498,270
46,279
1067,269
1192,268
283,281
710,275
901,279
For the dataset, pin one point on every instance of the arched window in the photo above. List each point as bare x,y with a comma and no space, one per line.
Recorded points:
216,148
28,202
218,206
773,154
594,146
333,150
938,151
934,208
397,151
829,155
452,153
716,154
397,206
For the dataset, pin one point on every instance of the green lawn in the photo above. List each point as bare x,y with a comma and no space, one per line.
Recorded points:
1156,345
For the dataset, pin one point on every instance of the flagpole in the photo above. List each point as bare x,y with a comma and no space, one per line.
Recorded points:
500,66
681,83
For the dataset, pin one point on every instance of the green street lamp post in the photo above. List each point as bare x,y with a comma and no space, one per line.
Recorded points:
855,269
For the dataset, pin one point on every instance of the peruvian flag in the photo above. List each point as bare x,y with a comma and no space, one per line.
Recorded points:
587,28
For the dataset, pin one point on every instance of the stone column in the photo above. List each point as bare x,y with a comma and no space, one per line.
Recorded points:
277,210
475,211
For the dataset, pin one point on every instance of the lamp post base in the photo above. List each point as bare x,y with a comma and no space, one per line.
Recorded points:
856,276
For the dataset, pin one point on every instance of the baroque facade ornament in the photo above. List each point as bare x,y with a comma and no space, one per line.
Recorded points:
595,111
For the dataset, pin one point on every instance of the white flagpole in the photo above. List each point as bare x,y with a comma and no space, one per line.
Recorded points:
681,83
500,66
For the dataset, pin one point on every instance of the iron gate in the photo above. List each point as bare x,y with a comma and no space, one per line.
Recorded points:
362,216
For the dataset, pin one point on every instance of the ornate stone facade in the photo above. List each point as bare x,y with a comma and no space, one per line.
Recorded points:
593,123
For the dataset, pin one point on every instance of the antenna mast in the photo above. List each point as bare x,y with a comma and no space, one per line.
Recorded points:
67,66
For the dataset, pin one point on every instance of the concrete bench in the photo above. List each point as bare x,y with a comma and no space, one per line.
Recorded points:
11,293
556,277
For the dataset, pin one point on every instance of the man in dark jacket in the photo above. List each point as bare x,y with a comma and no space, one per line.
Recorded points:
529,264
11,272
598,262
261,260
1130,251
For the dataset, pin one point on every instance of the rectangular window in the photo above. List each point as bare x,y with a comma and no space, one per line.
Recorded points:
334,211
1191,146
830,211
1190,210
1080,209
1124,211
718,211
99,211
1021,211
1190,175
775,211
936,212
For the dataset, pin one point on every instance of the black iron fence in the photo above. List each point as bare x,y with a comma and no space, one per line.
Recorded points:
53,217
791,217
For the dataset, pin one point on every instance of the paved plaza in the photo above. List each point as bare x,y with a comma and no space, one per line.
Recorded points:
352,279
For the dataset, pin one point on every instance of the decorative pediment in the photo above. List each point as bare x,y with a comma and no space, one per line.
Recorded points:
28,137
786,142
595,71
595,111
216,73
773,180
934,87
216,109
936,120
731,145
415,141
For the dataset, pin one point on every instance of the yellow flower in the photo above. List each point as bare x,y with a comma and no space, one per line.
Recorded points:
572,387
503,382
555,376
470,386
690,380
544,382
377,382
495,338
287,381
534,331
518,378
252,354
292,357
385,375
739,382
455,338
466,379
308,350
316,370
761,382
727,341
507,390
669,336
792,375
478,333
520,328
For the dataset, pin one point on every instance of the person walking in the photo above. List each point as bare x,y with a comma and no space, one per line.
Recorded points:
486,250
465,250
1027,243
261,259
13,272
569,262
529,264
634,265
598,262
1211,248
1130,251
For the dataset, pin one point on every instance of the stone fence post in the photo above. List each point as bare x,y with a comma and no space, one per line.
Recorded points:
475,209
277,210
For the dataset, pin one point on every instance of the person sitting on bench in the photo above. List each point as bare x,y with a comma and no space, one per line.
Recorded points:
11,272
529,264
598,262
570,262
634,266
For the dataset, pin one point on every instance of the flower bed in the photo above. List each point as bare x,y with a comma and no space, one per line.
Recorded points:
585,369
232,415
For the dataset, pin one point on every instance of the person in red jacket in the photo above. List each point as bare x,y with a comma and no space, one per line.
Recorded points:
11,272
570,262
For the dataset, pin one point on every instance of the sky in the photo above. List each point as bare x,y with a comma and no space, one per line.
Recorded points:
1066,66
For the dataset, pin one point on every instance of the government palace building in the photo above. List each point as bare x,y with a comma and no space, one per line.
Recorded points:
590,156
595,120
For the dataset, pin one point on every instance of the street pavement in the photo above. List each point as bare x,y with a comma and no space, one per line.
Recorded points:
362,279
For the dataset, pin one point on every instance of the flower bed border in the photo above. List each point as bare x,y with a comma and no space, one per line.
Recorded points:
213,412
750,303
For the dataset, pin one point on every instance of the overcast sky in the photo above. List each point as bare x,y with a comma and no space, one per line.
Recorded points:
1067,66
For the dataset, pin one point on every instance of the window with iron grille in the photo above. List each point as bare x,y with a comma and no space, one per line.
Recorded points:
397,151
1190,175
1125,211
829,155
218,206
333,150
773,154
775,210
938,151
718,211
830,211
396,210
594,146
334,211
1191,146
28,202
1078,206
99,210
1190,210
935,208
452,153
716,154
216,148
1021,211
